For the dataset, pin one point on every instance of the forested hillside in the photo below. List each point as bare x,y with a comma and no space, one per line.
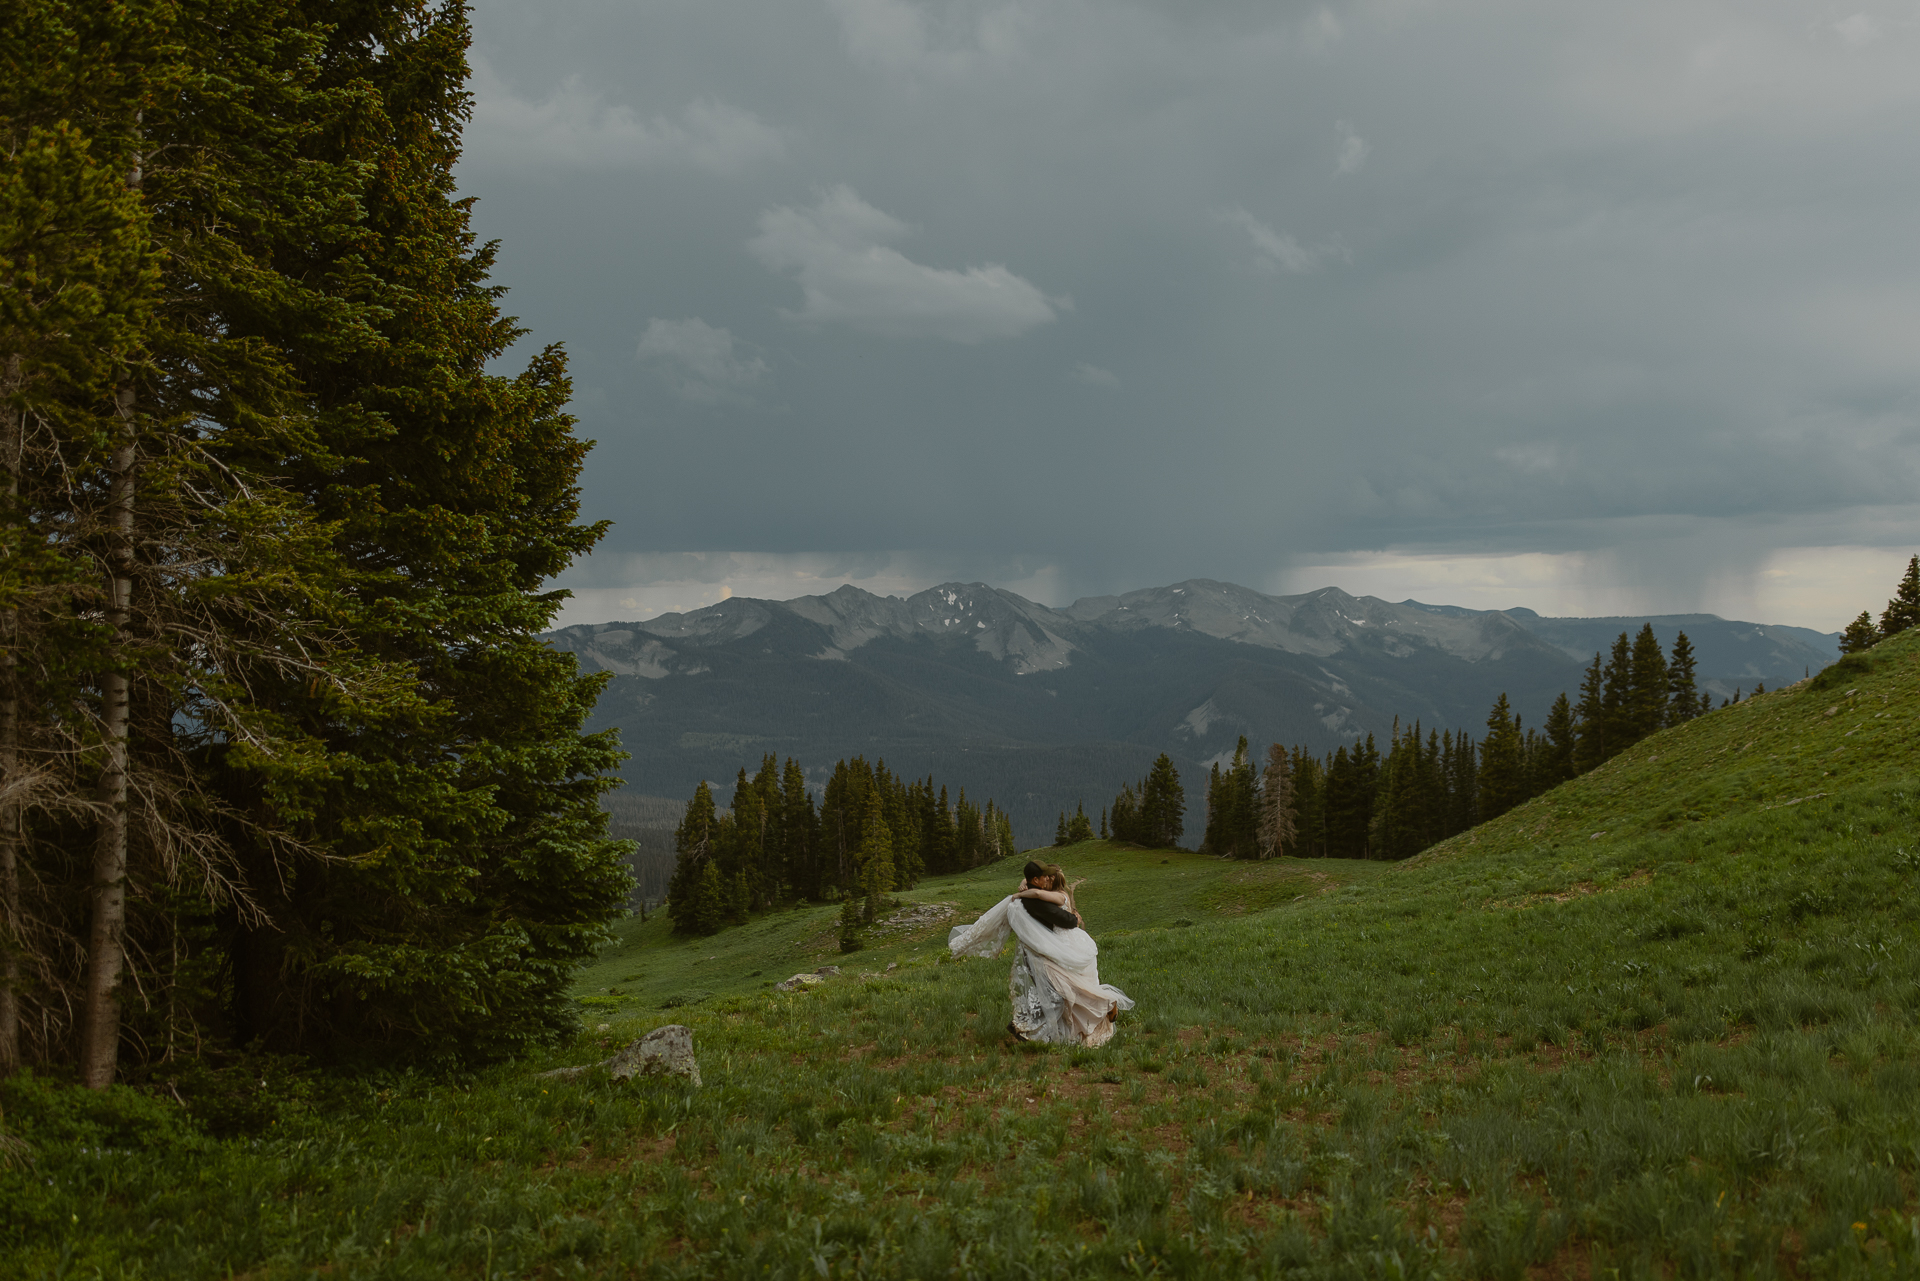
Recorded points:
1045,709
286,766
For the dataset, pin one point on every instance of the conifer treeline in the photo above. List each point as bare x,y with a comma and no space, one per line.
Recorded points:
285,761
1901,613
873,833
1151,812
1431,784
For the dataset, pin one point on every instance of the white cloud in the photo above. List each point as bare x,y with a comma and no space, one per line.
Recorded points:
1858,30
573,125
1095,376
1354,149
699,361
837,250
896,36
1276,250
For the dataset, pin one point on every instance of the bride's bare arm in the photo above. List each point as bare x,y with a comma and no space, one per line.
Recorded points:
1051,896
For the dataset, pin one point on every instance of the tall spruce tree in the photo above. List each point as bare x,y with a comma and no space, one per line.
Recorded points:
1278,828
1590,720
1646,710
875,857
1163,805
1347,809
1683,693
1502,782
1861,634
799,829
1903,611
1616,698
323,722
694,844
1562,740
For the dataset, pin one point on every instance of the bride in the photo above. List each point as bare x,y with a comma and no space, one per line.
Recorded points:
1056,988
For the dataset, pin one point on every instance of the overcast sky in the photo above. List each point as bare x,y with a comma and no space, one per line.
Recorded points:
1595,308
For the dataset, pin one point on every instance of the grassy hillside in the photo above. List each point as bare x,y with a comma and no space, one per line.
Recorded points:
1127,890
1659,1022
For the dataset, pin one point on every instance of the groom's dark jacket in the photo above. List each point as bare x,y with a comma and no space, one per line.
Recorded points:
1051,915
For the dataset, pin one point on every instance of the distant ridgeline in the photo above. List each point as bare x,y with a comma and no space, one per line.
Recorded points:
1355,803
1039,707
872,834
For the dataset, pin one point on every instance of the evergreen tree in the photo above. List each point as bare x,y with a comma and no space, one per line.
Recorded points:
1278,831
969,833
1079,827
1126,816
799,833
709,906
1210,834
1557,753
1163,804
1388,829
741,851
875,857
939,838
1103,822
1683,695
850,924
1463,785
78,313
1616,698
1242,827
694,849
1861,634
1060,831
1502,782
473,871
1903,611
1646,710
1346,806
903,810
1309,789
768,873
1591,744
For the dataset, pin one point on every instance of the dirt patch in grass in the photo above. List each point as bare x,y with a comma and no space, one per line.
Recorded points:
1580,889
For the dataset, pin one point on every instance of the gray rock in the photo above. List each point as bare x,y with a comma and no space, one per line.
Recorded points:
827,970
568,1073
665,1051
799,983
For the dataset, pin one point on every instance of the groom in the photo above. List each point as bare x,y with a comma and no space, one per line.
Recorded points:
1051,915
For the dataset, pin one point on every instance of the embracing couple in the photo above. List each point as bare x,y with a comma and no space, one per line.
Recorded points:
1056,988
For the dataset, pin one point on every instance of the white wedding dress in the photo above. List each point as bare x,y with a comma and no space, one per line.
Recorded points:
1056,988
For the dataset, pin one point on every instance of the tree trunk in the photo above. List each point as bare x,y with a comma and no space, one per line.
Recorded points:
10,801
106,949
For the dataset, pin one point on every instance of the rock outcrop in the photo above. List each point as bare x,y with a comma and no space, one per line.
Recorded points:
665,1051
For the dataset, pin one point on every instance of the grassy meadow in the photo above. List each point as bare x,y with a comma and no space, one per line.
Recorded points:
1661,1022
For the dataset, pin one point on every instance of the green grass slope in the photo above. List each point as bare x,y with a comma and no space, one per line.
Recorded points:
1127,889
1659,1022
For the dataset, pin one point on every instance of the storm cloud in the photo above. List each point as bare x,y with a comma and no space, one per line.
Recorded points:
1612,303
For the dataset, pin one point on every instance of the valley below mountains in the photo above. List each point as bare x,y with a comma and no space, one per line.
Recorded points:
1043,708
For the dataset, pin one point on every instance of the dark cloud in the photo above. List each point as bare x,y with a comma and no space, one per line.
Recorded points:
1091,296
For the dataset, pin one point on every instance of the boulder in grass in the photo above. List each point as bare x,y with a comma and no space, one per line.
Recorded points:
665,1051
799,983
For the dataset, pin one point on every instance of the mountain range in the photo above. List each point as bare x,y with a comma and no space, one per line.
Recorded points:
1042,708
